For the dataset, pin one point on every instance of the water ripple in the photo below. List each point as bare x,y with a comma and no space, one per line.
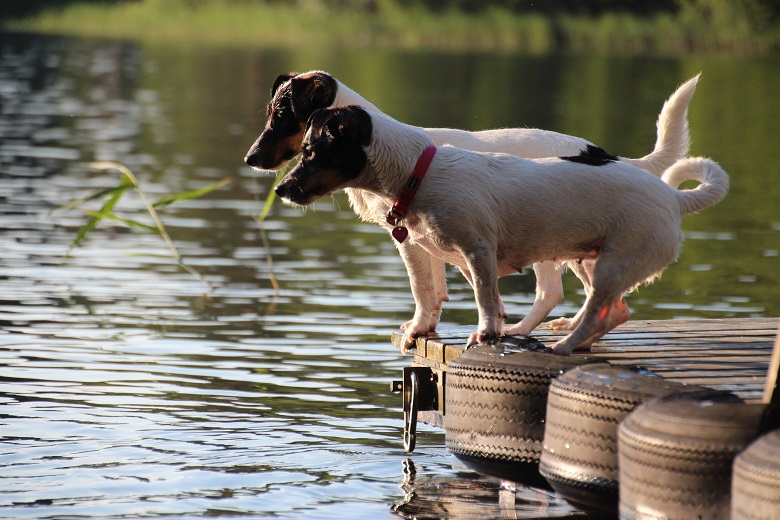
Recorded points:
127,389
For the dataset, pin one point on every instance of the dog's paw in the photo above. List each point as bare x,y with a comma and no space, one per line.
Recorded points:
433,321
407,342
566,346
562,324
516,330
478,337
411,333
563,348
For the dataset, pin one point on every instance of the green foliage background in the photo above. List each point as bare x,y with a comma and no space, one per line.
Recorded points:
535,26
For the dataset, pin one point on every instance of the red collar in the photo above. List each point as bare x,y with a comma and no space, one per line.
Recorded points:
396,214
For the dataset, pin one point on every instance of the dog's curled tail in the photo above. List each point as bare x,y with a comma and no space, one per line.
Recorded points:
673,141
714,183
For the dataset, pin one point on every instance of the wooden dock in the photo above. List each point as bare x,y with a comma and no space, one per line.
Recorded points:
723,354
492,402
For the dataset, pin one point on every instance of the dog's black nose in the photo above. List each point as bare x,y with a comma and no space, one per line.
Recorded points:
252,160
263,161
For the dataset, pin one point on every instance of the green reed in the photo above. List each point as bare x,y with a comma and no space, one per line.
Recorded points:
260,219
111,196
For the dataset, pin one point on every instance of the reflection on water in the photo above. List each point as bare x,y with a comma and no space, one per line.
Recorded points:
127,391
469,495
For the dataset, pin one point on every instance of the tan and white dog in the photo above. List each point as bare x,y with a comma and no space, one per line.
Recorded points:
296,96
495,214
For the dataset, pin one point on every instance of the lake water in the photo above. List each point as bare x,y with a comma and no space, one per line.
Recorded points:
129,390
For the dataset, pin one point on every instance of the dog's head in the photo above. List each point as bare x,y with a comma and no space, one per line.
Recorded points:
294,98
332,154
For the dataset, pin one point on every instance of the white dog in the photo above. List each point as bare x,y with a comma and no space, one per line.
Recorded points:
296,96
513,212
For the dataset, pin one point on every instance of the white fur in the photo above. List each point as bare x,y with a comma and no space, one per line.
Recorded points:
624,223
673,140
672,144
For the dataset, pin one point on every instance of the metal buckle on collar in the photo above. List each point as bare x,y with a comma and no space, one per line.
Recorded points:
393,217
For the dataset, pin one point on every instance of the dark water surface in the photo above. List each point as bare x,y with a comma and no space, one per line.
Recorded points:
127,390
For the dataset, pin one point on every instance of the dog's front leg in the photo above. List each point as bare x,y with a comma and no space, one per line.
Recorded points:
439,280
481,262
439,274
427,305
467,275
584,271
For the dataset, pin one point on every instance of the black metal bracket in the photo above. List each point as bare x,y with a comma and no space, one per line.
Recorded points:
420,393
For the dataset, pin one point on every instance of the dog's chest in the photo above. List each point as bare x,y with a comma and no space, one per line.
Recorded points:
436,247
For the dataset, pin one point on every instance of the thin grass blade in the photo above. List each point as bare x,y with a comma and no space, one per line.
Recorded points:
126,221
96,195
193,194
95,219
269,201
127,174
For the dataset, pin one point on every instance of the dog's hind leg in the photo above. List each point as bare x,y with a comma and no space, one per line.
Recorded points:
617,314
616,272
549,293
594,323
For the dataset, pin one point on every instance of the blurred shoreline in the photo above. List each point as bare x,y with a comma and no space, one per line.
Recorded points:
746,26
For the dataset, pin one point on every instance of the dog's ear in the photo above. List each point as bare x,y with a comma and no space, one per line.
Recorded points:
364,124
280,80
352,122
311,92
336,126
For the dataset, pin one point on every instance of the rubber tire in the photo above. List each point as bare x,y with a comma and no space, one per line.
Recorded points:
584,407
755,484
675,455
495,405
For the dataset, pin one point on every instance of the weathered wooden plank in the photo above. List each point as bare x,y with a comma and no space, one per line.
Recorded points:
726,354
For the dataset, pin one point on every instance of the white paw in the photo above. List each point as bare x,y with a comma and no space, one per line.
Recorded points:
517,329
562,324
411,333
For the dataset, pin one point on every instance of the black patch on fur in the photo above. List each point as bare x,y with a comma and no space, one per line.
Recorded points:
593,156
294,97
310,93
339,137
280,80
332,154
271,148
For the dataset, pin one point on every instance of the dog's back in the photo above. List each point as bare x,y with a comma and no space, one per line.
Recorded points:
559,209
523,142
527,201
